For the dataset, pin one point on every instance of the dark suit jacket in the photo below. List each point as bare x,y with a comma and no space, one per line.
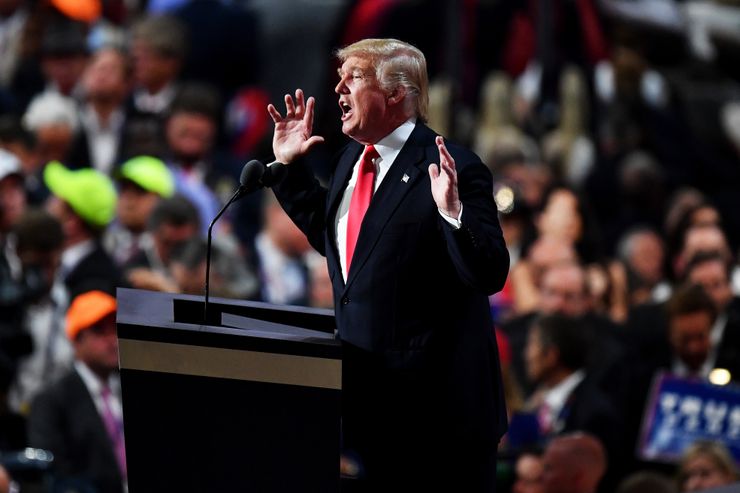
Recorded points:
589,409
95,271
421,359
64,420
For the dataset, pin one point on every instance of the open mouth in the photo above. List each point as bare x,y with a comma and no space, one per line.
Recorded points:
346,110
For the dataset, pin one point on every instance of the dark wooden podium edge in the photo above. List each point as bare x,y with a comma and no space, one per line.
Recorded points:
237,364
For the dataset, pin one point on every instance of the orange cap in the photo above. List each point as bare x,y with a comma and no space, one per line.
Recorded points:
88,309
79,10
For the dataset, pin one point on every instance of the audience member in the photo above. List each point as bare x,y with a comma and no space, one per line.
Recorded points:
574,463
79,418
14,341
54,122
15,139
642,252
529,472
706,465
566,398
105,84
39,241
647,482
281,249
200,174
173,222
158,48
711,271
229,275
564,291
64,56
84,201
142,182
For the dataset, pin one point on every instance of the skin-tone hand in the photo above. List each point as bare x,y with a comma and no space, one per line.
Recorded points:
444,182
292,138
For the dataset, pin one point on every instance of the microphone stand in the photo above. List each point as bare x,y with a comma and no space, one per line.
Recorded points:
239,192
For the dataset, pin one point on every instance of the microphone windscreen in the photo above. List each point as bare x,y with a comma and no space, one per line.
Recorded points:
274,173
251,174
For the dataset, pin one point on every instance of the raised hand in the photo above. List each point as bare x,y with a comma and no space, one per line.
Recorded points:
444,182
292,138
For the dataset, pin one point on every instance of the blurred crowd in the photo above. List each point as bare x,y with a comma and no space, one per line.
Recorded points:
613,138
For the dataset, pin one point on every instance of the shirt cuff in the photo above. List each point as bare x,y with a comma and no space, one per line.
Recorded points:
454,222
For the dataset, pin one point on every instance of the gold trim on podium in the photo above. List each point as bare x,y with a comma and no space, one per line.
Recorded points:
305,371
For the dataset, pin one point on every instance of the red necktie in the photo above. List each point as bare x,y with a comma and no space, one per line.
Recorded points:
361,196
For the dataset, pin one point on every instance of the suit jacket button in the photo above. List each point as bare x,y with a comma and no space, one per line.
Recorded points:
345,301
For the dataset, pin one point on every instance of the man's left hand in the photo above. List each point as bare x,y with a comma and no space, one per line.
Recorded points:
444,182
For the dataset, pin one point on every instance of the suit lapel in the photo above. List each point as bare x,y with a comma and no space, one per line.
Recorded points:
402,176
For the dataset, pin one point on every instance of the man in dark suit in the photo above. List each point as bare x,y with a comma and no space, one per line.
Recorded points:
84,201
567,398
78,418
423,404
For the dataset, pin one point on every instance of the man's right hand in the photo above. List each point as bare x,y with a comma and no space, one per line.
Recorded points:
292,138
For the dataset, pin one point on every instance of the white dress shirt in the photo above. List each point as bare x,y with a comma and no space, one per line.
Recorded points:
556,397
102,139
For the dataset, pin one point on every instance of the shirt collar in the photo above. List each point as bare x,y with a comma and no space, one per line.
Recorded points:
91,120
556,396
389,146
74,254
94,383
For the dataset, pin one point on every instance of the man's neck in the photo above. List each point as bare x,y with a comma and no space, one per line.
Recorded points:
556,377
104,108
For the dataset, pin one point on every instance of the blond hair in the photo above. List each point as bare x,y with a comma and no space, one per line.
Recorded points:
396,64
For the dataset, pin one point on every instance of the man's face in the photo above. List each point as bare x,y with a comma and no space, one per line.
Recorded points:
12,201
528,475
363,102
64,71
563,291
168,236
97,346
647,257
190,136
152,70
689,336
105,77
712,276
134,206
538,359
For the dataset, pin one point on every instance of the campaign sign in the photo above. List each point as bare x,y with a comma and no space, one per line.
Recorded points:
682,411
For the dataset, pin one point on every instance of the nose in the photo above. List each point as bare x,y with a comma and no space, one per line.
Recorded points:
341,87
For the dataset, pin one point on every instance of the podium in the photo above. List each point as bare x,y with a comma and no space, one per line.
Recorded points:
249,402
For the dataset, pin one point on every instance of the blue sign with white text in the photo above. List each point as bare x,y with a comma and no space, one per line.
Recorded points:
682,411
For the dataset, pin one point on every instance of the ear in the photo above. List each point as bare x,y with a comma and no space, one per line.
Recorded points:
397,95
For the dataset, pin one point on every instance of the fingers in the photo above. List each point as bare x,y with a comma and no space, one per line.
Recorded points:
300,104
445,158
274,113
316,139
433,171
289,107
308,117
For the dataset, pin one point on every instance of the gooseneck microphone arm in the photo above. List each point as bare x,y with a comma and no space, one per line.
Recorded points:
250,180
237,194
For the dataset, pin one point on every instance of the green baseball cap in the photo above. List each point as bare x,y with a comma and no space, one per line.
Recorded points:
149,173
88,192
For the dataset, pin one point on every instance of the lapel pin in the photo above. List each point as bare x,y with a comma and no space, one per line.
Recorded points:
405,178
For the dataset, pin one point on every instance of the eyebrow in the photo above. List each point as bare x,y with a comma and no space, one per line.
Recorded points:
352,69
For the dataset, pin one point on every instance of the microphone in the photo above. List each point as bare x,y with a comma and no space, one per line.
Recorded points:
249,181
250,178
274,174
